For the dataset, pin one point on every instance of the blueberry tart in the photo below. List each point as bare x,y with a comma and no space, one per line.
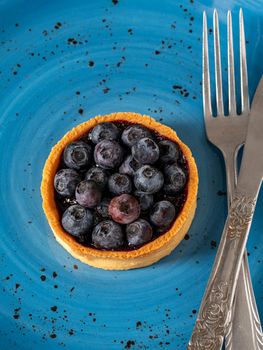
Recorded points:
119,191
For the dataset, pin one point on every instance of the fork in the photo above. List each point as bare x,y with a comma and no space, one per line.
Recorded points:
228,134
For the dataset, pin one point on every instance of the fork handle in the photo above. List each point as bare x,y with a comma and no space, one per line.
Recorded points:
216,305
244,330
230,158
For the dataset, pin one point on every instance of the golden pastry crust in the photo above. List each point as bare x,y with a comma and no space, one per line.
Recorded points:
118,260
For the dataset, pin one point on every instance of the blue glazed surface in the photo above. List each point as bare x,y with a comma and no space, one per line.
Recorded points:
123,55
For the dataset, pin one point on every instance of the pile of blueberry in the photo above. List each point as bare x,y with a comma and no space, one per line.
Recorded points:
120,186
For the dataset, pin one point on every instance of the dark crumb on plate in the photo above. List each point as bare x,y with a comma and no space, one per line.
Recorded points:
221,193
106,90
129,344
213,244
72,41
58,25
138,324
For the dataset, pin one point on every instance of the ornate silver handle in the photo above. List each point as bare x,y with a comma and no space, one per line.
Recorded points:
244,330
214,313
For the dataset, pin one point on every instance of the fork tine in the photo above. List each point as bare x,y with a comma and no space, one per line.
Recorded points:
243,66
231,71
218,75
206,75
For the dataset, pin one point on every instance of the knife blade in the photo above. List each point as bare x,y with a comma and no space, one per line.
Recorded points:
252,161
214,312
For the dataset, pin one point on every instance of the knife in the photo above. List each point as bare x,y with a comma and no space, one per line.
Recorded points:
215,310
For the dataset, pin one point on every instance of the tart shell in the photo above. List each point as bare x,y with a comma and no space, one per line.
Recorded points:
119,260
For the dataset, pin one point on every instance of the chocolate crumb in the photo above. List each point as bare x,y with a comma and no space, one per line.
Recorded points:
138,324
129,344
106,90
213,244
221,193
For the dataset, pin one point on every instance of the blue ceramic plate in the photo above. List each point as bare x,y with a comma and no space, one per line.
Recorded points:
63,62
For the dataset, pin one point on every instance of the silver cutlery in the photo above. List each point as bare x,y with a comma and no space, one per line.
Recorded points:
228,134
215,311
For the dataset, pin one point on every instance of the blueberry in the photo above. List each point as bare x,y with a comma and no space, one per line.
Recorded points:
132,134
88,193
145,199
119,184
169,151
108,154
77,155
138,232
104,131
98,175
148,179
65,182
103,208
107,235
129,166
162,214
124,209
77,220
145,151
175,179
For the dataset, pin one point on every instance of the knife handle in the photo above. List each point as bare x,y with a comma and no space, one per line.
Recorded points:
215,310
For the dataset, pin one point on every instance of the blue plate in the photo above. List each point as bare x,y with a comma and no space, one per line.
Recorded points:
63,62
